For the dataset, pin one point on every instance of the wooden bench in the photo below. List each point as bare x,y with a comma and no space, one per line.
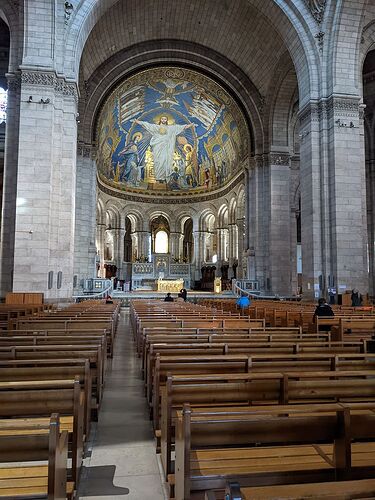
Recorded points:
338,490
46,370
248,347
256,389
302,446
93,353
40,398
29,443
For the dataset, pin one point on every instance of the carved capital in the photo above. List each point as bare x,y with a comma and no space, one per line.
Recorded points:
14,82
30,79
86,150
280,159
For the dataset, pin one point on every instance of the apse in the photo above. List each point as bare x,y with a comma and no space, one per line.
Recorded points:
170,131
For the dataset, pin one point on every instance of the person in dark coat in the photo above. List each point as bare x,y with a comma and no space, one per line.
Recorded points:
169,298
356,298
325,310
183,293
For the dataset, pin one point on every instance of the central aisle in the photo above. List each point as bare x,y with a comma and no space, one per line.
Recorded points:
123,463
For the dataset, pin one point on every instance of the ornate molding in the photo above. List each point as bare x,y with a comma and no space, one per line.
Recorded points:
169,200
317,9
49,79
14,82
280,159
334,106
86,150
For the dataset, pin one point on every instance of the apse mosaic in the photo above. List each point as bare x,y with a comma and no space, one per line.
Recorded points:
169,129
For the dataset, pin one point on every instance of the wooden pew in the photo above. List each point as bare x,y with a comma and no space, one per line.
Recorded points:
302,446
40,398
93,353
46,370
338,490
30,443
48,324
255,389
244,347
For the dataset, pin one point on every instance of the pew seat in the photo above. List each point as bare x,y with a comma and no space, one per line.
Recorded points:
338,490
42,450
268,449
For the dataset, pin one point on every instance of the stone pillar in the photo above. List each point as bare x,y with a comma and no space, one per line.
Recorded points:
233,244
8,215
370,172
46,184
334,231
175,244
220,238
279,224
143,240
257,220
85,215
100,238
241,239
199,257
118,250
347,195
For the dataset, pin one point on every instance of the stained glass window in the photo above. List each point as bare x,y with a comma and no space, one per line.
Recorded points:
3,105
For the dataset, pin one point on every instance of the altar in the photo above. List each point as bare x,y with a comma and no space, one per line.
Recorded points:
170,285
160,273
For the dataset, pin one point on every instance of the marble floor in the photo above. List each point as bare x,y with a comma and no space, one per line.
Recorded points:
121,461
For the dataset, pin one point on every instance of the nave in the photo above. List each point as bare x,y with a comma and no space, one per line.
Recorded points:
121,462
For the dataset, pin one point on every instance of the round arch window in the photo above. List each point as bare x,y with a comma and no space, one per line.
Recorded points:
161,242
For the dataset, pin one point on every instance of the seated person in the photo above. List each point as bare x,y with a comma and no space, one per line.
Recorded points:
243,302
323,309
169,298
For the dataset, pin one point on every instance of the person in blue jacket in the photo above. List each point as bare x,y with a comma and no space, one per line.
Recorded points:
243,302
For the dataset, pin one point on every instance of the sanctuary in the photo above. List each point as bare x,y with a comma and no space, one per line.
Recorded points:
228,140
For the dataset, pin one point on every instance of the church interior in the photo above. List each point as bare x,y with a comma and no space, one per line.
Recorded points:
187,249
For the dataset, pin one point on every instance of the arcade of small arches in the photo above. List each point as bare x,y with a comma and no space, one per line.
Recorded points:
195,243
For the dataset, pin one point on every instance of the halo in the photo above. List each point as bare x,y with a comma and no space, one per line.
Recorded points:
187,147
137,134
171,119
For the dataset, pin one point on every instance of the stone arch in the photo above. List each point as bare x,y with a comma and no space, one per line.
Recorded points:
293,25
223,215
346,47
232,209
368,44
189,55
12,15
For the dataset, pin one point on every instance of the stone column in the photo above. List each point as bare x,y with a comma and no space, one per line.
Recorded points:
220,249
118,249
174,244
100,238
347,194
279,224
8,215
241,238
85,215
199,257
233,244
143,239
334,231
370,171
46,184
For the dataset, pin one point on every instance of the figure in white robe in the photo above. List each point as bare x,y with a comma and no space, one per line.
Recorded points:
163,142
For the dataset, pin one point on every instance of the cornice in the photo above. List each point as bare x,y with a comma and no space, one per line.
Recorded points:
31,78
169,199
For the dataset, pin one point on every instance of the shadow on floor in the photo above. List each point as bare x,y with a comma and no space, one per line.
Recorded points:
103,482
